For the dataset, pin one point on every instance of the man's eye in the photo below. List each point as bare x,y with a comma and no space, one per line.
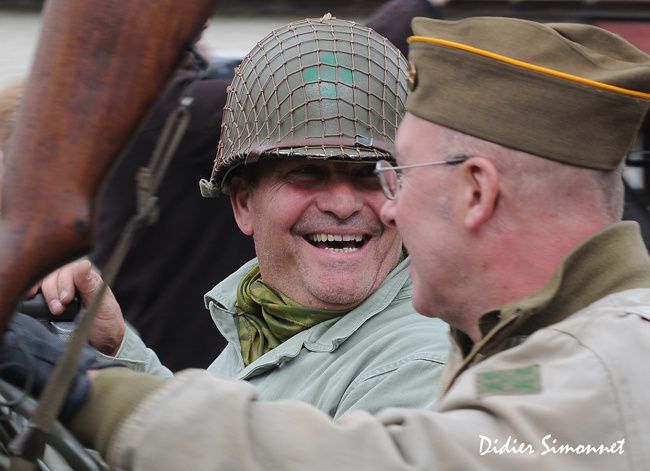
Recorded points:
306,174
366,176
365,171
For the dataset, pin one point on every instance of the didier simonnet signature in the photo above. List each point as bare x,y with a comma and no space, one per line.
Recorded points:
547,445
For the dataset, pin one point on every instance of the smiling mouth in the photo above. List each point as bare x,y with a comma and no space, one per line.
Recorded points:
338,242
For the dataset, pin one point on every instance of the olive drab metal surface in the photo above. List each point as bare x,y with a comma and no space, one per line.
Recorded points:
317,88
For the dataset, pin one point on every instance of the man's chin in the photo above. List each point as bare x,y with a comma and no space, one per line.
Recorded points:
421,300
340,297
341,285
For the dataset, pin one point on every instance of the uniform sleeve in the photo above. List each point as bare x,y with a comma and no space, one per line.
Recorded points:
199,421
374,389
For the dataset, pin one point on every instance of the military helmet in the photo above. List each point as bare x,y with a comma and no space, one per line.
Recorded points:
316,88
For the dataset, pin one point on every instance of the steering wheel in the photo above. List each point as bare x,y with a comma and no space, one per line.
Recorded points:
61,445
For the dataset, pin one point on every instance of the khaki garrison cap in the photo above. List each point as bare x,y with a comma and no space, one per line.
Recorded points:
573,93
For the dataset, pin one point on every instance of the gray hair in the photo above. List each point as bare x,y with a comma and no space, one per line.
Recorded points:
547,183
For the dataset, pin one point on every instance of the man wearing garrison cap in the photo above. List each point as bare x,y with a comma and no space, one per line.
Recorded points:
508,195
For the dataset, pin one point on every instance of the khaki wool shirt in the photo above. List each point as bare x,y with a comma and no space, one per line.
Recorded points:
559,382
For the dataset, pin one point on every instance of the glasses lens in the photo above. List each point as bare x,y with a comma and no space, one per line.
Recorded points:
388,178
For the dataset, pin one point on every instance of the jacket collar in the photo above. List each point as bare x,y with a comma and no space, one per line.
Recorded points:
611,261
324,337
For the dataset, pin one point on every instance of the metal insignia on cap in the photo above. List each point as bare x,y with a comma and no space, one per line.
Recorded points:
412,76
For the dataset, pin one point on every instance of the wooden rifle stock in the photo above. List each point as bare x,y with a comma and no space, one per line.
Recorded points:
97,69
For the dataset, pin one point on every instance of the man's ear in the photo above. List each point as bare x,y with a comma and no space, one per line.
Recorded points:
241,194
480,191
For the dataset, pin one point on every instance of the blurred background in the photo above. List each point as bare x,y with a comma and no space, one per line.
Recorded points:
237,26
234,30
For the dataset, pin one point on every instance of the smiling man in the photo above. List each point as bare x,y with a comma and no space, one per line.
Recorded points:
324,313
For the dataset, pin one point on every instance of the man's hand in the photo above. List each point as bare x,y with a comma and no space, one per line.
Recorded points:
59,288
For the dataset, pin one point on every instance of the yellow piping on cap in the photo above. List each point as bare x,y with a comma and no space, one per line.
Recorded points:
526,65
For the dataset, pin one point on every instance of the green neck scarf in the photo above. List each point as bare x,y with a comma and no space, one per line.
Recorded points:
266,317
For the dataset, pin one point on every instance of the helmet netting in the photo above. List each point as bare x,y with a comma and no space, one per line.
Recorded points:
319,88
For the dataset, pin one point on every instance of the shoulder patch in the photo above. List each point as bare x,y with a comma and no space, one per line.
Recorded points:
525,380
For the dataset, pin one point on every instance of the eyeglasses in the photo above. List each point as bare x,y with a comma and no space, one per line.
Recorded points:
390,176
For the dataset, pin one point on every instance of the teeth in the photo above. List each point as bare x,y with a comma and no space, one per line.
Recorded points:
346,249
334,237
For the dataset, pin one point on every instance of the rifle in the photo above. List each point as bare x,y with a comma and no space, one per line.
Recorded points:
98,67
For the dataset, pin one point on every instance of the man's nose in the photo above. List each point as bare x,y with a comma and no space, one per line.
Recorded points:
387,213
340,198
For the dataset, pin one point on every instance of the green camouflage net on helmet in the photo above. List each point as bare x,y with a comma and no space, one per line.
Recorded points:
317,88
